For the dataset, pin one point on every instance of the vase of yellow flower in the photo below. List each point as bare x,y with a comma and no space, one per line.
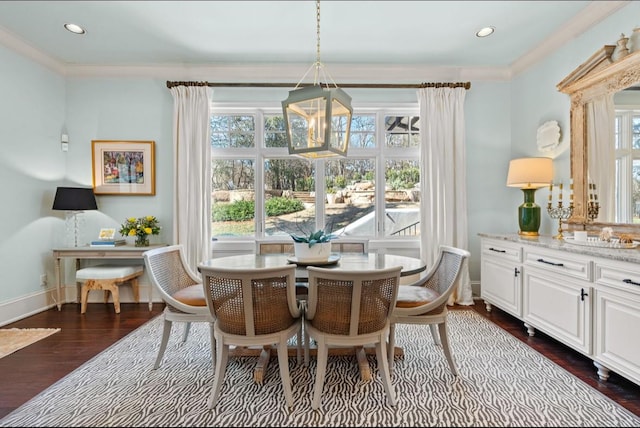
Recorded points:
141,228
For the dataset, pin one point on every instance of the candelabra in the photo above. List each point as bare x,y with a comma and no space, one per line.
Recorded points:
559,213
592,210
593,206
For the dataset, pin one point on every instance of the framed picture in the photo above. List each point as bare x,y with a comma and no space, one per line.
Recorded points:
123,167
107,234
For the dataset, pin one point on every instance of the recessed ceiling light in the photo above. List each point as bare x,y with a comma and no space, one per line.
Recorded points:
76,29
486,31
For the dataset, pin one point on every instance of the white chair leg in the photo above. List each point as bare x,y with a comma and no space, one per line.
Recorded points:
445,347
306,339
383,368
185,334
435,335
299,345
212,344
166,331
323,354
222,350
283,362
391,347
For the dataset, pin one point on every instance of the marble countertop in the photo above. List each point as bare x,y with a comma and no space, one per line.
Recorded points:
625,255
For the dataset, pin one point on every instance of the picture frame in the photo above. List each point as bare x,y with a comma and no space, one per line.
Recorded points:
107,234
123,167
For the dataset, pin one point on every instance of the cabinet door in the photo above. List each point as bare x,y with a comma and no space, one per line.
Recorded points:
501,284
558,305
617,332
617,317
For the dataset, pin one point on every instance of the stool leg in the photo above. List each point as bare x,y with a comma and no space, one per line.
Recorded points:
136,290
106,296
84,296
116,298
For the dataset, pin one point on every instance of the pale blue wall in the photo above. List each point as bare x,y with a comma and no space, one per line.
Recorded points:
39,104
32,112
536,99
122,109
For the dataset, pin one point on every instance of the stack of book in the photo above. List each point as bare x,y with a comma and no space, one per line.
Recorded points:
108,243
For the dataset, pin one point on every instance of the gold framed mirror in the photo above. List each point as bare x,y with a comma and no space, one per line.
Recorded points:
599,78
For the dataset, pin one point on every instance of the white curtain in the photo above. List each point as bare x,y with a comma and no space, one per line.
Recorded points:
600,117
192,163
443,202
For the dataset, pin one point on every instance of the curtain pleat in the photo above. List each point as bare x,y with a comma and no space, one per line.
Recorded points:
443,205
192,162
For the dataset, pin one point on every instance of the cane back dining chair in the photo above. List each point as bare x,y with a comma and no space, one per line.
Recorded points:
347,308
425,301
181,290
253,307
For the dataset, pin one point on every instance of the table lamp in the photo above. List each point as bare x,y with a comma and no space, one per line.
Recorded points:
529,174
74,200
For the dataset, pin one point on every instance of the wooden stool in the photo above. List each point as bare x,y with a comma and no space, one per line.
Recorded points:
108,278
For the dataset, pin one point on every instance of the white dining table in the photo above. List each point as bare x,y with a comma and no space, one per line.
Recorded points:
344,261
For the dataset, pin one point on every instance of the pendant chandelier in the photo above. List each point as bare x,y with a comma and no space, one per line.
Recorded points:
318,117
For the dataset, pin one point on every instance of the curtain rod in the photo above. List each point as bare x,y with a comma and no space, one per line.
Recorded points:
466,85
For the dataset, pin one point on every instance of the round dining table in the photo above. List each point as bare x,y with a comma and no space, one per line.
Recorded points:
345,261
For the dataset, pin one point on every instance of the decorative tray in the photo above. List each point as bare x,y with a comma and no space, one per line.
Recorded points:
596,242
333,259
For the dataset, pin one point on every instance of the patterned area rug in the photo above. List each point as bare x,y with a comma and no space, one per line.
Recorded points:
13,339
502,382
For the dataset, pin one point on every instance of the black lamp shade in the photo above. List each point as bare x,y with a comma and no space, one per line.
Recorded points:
74,199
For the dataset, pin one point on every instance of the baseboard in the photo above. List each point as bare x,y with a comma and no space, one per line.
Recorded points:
31,304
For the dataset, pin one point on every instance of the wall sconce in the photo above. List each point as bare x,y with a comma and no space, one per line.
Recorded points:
317,118
529,174
74,200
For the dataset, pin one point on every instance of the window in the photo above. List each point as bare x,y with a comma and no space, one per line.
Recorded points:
627,137
258,190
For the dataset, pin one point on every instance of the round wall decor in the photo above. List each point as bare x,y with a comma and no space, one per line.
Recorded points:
548,136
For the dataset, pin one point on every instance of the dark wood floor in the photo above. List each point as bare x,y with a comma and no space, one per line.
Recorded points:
32,369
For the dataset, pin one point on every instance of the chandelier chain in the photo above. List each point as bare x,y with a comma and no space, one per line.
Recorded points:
318,31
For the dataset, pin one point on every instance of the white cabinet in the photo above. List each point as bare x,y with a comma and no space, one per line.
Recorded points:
557,296
501,276
617,319
586,298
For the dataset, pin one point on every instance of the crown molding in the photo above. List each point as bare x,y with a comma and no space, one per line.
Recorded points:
18,45
594,13
291,72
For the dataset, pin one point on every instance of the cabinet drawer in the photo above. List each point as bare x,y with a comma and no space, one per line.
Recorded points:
622,276
559,262
503,250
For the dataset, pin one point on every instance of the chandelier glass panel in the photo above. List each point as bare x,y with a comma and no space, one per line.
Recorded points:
318,117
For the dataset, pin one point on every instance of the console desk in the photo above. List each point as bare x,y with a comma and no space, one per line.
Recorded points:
586,297
88,252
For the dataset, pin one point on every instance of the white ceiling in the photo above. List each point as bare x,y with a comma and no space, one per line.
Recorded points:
196,33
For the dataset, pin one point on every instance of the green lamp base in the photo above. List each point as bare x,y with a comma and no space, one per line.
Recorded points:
529,214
